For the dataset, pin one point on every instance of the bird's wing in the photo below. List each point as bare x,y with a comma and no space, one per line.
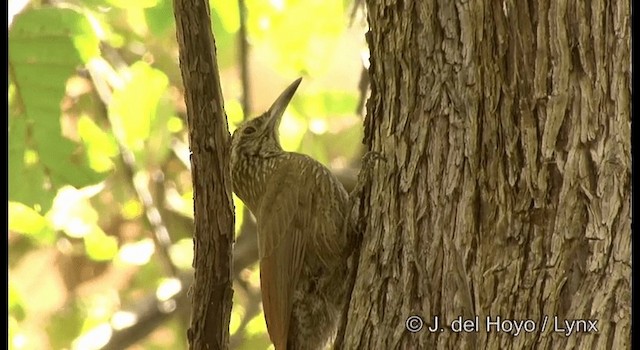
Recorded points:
281,242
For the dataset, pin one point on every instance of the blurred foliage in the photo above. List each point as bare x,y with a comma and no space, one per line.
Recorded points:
94,80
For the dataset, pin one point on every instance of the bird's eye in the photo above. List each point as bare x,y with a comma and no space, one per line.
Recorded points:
249,130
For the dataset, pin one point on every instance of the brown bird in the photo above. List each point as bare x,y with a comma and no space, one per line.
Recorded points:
304,244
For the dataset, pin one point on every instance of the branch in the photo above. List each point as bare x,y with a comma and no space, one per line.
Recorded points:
213,206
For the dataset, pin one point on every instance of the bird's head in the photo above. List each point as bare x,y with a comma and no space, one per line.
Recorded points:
259,136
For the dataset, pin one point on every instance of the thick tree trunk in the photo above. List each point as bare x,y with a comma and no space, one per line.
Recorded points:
213,207
506,188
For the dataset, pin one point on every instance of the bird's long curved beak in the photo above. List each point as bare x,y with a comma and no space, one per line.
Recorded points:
278,107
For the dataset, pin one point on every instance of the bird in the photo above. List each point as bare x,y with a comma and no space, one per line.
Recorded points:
304,240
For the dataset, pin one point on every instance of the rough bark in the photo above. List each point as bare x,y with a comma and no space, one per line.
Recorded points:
213,207
506,190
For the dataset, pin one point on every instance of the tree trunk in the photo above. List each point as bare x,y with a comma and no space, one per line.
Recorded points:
213,207
505,193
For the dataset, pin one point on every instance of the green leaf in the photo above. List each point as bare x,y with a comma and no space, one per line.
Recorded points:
63,159
225,24
160,17
65,324
126,4
26,179
52,35
47,45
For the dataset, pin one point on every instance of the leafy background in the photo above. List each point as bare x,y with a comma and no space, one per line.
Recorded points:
97,127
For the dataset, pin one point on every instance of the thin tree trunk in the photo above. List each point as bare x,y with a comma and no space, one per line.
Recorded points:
505,193
213,207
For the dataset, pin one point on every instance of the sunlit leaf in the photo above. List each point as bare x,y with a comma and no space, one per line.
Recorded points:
175,124
234,113
137,20
131,209
99,246
225,23
16,302
328,103
237,203
25,220
101,146
187,204
229,14
257,325
134,106
236,318
303,34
